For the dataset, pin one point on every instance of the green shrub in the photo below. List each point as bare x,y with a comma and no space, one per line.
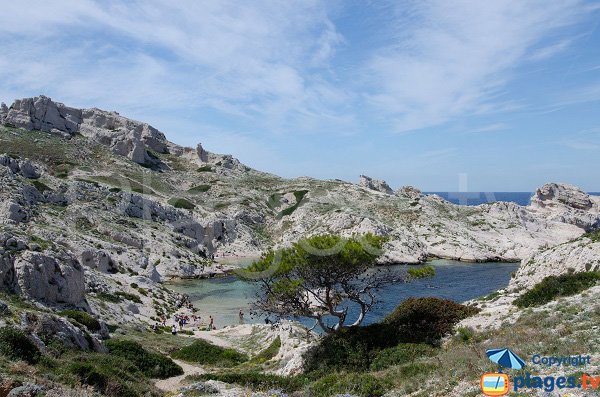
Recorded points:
181,203
204,168
153,365
131,297
553,287
256,380
594,236
200,189
41,187
270,352
110,375
422,272
426,320
352,383
203,352
299,194
351,349
107,297
15,345
82,318
404,353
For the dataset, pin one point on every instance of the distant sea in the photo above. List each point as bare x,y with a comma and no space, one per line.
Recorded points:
476,198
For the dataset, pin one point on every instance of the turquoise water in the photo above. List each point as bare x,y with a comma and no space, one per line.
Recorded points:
224,297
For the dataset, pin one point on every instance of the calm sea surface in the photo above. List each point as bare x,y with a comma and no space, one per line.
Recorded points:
224,297
476,198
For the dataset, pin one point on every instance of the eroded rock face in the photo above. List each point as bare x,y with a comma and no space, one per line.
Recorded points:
567,204
47,327
374,184
97,259
54,279
553,194
12,212
21,167
125,137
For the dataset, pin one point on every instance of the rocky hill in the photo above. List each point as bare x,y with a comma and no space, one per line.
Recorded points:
97,209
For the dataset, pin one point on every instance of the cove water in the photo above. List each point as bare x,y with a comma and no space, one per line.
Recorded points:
223,297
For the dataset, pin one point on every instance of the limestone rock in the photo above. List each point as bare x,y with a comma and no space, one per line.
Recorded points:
4,309
410,192
47,327
202,154
555,194
97,260
27,390
374,184
12,212
58,279
22,167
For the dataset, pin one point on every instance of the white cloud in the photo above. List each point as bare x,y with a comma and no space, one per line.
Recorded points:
259,60
452,59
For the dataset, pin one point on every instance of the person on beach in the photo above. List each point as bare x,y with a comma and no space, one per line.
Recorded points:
241,315
211,323
174,329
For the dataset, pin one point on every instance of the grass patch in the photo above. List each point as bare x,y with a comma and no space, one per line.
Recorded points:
267,354
203,352
256,380
15,345
199,189
422,272
594,236
553,287
299,194
181,203
82,318
153,365
404,353
40,186
366,385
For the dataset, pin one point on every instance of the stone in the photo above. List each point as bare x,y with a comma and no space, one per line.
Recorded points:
202,154
47,327
374,184
12,212
97,260
53,279
4,309
559,193
27,390
21,167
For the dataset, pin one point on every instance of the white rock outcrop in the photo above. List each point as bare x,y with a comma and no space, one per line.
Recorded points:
54,279
374,184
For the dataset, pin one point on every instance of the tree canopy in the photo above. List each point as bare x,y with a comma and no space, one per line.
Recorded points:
321,277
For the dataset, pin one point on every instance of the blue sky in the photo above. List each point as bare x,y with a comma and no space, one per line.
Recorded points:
505,93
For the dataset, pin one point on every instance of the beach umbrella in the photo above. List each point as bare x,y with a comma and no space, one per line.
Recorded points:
505,358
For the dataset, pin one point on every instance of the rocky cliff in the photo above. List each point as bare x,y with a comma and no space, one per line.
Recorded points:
97,208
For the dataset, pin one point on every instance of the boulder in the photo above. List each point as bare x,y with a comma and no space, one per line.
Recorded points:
374,184
27,390
11,212
21,167
202,154
97,260
553,194
48,327
4,309
53,279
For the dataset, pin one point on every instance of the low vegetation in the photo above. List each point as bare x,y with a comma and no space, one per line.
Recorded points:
15,345
181,203
153,365
200,189
203,352
422,272
553,287
82,318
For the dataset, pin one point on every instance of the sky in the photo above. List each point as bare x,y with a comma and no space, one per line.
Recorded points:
443,95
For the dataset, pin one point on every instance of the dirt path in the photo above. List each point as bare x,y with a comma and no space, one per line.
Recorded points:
176,382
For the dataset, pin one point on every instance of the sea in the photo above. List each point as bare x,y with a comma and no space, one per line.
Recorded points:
477,198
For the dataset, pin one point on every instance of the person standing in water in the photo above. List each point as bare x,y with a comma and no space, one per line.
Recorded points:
211,323
241,315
